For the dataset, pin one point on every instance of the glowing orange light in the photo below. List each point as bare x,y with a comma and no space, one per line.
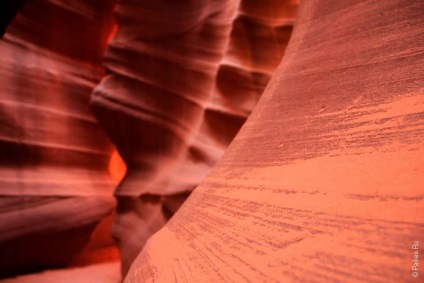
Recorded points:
112,33
117,167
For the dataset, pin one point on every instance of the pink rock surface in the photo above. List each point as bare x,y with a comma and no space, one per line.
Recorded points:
54,183
324,181
96,273
322,184
181,81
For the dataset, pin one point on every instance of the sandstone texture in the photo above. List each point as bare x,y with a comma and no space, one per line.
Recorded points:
182,79
241,140
54,180
324,181
95,273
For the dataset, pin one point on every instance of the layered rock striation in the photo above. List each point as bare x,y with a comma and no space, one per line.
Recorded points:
182,79
324,181
54,180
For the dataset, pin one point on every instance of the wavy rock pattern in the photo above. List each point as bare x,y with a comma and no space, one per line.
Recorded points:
54,185
324,182
182,80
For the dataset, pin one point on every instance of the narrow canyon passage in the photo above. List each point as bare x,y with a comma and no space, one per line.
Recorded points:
211,141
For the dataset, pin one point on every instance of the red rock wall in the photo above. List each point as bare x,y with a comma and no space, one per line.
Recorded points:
54,182
324,181
182,79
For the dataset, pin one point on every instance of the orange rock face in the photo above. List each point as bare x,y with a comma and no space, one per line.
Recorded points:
324,181
182,80
54,182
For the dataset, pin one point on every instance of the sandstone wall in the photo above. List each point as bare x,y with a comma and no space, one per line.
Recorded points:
182,79
324,181
54,183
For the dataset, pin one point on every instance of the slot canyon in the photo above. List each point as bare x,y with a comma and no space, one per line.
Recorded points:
211,141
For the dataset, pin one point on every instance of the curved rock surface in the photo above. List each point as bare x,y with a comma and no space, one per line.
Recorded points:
324,181
182,79
54,181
